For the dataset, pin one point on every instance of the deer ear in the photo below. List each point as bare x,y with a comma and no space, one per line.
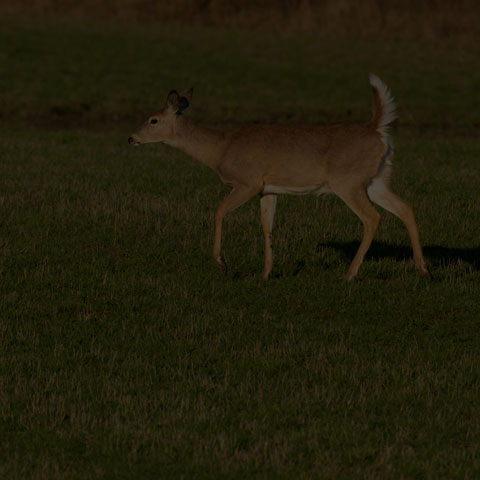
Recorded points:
183,105
185,99
188,94
173,100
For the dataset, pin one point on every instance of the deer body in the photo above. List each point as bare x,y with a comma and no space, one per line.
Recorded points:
352,161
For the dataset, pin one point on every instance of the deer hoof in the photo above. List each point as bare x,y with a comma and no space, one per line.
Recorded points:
349,276
425,273
221,264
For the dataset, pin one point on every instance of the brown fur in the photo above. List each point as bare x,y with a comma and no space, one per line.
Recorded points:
271,159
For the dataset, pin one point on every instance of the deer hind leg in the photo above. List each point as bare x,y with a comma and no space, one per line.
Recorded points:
238,196
381,194
268,205
358,201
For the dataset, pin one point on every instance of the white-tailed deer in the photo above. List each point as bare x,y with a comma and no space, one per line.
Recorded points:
353,161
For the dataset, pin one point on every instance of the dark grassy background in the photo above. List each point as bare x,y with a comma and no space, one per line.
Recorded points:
124,352
431,20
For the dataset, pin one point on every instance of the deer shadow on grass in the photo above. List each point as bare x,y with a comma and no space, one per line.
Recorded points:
435,255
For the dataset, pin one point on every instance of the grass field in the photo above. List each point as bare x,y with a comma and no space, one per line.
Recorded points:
124,353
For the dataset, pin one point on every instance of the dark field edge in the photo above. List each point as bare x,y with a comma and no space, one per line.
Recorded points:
429,20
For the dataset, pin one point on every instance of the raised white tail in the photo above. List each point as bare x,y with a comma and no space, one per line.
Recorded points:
384,109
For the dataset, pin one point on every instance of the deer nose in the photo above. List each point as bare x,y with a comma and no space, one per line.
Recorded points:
130,140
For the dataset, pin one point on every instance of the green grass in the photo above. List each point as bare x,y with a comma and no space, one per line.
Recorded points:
126,354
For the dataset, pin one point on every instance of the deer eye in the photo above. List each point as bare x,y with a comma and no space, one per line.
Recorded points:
153,121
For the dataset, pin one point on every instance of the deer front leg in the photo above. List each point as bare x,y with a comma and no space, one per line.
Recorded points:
238,196
268,205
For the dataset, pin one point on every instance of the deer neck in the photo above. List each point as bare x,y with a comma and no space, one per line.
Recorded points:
202,143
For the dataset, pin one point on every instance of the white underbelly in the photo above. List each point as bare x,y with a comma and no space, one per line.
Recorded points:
309,189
